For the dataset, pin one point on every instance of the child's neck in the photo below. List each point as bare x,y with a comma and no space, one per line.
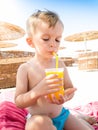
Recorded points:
44,62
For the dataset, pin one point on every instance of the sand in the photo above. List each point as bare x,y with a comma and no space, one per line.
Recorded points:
86,83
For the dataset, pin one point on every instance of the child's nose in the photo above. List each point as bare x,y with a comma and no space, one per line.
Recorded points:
52,44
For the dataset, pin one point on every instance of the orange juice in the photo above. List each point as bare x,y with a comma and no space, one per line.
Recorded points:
60,73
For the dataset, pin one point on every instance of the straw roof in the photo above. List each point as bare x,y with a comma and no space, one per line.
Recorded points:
83,36
6,44
10,31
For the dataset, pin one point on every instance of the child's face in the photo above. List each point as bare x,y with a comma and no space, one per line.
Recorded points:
47,40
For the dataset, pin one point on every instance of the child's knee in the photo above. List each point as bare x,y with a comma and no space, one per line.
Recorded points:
39,122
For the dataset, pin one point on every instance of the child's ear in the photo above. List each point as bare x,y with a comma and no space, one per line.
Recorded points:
30,43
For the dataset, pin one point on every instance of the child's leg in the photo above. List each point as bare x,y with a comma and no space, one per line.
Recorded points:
38,122
73,123
90,119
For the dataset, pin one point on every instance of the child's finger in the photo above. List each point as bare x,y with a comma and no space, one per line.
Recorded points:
69,91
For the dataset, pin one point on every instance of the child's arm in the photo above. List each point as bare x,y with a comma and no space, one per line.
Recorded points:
23,97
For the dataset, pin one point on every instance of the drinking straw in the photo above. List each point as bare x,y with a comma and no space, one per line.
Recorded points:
56,56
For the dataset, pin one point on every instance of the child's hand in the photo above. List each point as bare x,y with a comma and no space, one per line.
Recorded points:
50,84
68,94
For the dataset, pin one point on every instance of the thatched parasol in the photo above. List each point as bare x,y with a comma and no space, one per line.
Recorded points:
83,36
10,31
6,44
86,60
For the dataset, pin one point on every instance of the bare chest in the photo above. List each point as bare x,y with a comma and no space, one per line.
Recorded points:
35,76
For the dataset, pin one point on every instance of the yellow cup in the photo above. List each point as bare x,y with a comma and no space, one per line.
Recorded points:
60,73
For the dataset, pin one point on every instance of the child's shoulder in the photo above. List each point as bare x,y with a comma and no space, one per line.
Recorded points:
23,66
27,65
61,63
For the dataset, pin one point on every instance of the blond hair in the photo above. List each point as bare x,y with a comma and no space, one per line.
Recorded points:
51,18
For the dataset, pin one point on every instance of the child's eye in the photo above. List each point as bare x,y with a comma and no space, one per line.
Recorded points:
45,39
57,40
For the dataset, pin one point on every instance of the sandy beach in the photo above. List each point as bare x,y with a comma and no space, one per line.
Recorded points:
86,83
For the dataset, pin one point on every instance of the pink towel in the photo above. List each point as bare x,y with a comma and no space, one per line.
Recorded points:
90,109
11,117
